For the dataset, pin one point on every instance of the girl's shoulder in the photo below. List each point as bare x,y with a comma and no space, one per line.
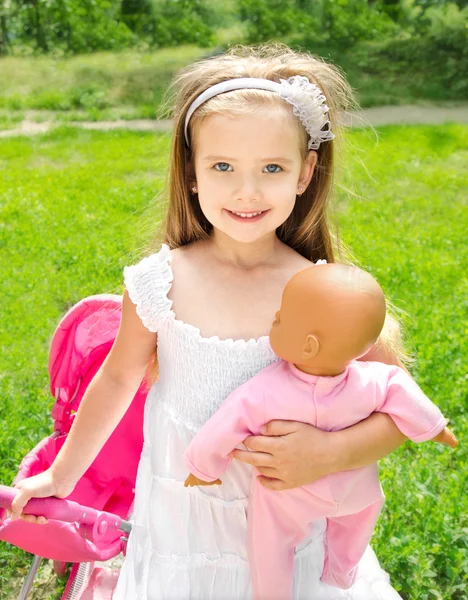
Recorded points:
148,283
295,262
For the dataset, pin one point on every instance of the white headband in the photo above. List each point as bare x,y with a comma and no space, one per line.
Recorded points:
306,98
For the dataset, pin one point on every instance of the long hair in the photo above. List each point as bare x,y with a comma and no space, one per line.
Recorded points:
307,229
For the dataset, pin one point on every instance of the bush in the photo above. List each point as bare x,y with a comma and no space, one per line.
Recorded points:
269,20
342,23
339,22
83,26
439,51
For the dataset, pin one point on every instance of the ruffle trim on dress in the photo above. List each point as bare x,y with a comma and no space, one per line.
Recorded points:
228,342
262,342
148,283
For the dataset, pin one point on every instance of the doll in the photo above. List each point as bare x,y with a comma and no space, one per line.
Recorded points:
330,315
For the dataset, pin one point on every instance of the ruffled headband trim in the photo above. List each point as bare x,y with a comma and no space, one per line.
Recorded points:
307,99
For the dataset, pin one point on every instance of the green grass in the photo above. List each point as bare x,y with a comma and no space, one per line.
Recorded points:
101,85
76,206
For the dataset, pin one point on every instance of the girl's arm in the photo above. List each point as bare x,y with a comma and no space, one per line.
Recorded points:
103,405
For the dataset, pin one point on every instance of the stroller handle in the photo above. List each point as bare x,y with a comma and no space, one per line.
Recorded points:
65,510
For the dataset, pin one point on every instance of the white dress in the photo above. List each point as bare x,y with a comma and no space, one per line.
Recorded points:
190,543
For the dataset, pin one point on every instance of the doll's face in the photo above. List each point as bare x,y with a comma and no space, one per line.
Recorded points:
288,333
248,169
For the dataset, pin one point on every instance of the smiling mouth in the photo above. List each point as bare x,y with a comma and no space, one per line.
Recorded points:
247,215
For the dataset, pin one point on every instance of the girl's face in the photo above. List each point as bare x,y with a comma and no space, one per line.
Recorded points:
248,170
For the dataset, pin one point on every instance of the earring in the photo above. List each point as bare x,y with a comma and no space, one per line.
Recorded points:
194,190
299,191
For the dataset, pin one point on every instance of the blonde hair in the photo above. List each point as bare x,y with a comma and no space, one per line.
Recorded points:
306,230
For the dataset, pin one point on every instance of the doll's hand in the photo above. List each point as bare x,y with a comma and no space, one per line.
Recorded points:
283,454
192,480
446,437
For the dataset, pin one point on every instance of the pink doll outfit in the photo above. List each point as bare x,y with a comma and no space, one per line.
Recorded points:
351,501
191,543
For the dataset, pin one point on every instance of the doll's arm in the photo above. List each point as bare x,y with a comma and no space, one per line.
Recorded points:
389,350
241,415
414,414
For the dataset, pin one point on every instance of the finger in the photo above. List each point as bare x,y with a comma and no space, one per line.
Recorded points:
261,443
280,427
270,472
257,459
272,484
42,520
19,502
29,518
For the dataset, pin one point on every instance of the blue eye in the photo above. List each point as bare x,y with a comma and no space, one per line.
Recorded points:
222,166
274,167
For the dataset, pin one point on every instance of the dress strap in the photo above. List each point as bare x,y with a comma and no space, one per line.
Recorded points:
148,283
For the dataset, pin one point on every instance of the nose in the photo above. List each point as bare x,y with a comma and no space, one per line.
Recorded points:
248,191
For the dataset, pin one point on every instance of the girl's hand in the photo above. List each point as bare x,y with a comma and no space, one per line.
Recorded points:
38,486
283,454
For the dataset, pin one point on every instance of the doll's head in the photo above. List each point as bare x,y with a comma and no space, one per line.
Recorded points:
305,226
330,314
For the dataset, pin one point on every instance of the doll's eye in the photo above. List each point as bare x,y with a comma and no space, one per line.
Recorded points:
275,169
222,166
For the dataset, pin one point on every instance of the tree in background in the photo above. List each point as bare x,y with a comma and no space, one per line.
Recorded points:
4,38
420,36
422,39
77,26
338,22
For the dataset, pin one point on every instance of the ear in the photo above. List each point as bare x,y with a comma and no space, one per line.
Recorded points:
311,347
308,169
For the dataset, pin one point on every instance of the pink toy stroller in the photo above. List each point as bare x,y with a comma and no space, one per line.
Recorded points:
91,524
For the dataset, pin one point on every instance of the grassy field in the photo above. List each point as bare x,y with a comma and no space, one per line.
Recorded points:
99,86
130,84
76,206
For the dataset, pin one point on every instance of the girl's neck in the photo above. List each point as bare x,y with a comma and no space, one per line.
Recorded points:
245,255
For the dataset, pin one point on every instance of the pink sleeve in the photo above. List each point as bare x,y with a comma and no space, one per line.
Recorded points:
414,414
241,414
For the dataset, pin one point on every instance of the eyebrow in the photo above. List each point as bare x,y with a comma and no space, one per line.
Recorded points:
274,159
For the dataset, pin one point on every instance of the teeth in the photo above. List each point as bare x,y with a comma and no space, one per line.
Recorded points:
247,215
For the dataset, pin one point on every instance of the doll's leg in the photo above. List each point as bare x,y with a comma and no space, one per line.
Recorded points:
273,535
346,539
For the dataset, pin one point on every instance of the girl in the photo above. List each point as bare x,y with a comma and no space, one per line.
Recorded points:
250,178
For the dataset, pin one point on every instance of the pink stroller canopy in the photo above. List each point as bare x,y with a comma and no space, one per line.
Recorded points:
79,346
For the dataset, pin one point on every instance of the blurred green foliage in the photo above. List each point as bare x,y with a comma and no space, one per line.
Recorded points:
78,26
420,47
418,38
